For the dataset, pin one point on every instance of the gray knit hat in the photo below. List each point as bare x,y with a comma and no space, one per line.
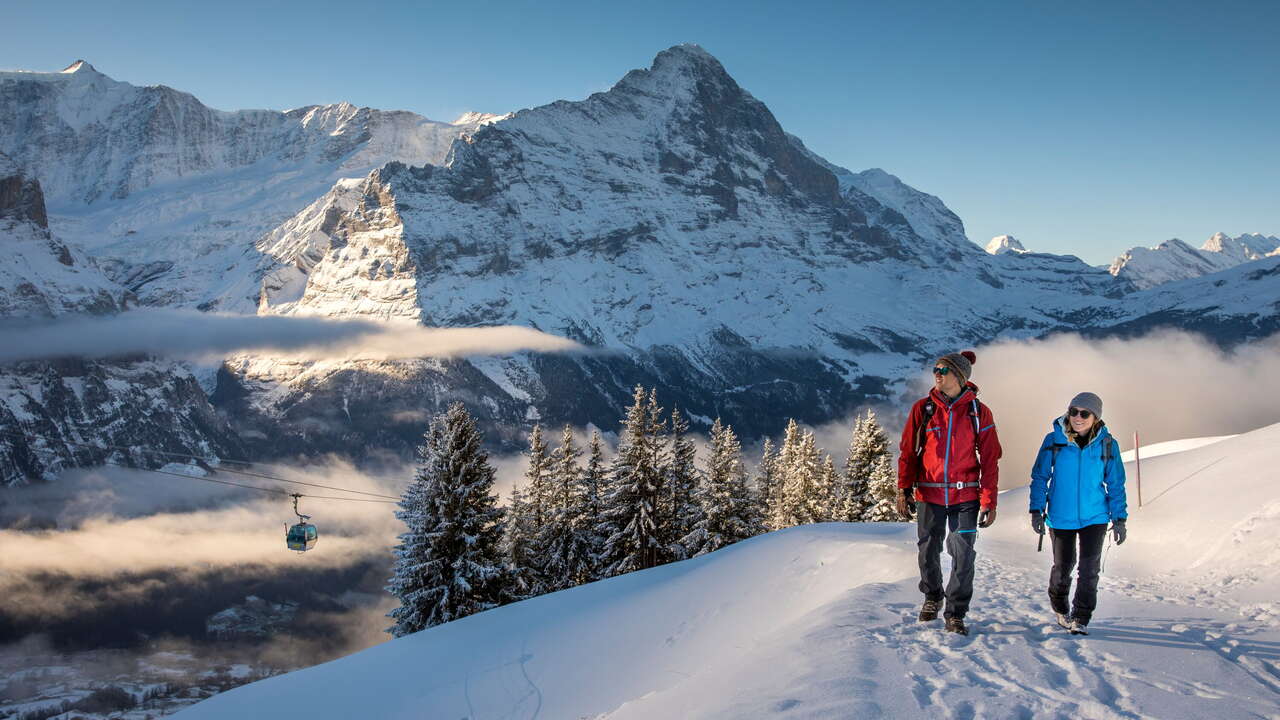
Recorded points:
1087,401
962,362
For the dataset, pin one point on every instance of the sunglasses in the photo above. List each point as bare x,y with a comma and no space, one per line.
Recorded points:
1082,414
941,370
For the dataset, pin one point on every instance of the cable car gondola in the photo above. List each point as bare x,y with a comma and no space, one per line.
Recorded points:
301,536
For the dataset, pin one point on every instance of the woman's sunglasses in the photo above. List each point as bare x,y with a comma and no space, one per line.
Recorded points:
941,370
1082,414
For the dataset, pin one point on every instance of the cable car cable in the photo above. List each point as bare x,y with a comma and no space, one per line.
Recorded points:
195,457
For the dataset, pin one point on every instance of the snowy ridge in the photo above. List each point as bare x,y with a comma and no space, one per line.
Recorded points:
171,195
672,221
819,621
1176,260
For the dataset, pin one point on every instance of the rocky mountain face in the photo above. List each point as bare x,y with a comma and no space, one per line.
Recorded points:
1176,260
66,412
171,195
669,224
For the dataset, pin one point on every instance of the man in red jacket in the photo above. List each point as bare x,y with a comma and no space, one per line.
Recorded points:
948,476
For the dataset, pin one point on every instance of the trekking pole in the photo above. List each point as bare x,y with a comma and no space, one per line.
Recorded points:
1040,543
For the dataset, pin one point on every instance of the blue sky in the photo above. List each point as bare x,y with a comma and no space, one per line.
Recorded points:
1080,128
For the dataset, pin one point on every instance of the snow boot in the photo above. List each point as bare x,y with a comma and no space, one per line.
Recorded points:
1064,622
956,625
1078,626
929,610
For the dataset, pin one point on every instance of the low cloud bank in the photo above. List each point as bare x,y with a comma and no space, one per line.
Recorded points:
1166,386
197,335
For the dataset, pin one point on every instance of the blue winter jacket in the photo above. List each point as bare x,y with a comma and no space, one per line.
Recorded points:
1079,489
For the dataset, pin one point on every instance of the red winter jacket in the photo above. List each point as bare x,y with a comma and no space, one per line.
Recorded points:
949,451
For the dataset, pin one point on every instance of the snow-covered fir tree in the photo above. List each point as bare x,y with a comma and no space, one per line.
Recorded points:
631,505
681,510
827,485
517,547
876,461
853,497
768,489
594,487
805,496
522,543
564,539
780,513
723,497
447,564
883,488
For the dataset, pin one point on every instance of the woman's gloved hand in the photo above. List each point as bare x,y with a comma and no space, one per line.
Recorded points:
1037,522
1118,529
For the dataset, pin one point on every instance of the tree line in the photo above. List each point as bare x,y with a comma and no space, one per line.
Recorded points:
571,522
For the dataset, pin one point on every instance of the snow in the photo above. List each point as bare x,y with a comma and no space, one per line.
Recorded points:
1176,260
1002,244
818,621
1173,446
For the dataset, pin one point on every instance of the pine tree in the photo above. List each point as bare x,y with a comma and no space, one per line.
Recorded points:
516,547
447,564
594,487
768,490
725,501
882,478
805,499
564,537
782,513
539,499
682,510
854,500
824,492
632,501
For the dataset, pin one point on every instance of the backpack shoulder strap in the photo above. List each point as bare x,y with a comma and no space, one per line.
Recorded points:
977,422
926,414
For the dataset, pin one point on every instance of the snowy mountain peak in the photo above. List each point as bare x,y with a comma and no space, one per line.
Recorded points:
1176,260
80,66
677,72
478,118
1002,244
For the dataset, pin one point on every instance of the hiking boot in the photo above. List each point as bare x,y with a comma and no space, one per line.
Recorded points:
956,625
1064,622
1078,626
929,610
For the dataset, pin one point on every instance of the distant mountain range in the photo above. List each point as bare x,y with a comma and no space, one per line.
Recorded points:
670,222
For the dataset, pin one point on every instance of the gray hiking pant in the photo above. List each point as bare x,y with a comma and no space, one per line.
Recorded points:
932,524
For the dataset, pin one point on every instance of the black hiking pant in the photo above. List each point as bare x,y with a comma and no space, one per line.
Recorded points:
932,523
1090,539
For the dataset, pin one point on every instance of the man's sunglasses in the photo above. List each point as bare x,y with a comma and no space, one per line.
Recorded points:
1082,414
941,370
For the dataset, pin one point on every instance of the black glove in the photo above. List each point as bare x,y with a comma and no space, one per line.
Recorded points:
1117,527
986,517
1037,522
907,503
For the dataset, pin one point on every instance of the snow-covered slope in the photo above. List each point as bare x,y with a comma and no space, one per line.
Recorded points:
170,195
818,622
1176,260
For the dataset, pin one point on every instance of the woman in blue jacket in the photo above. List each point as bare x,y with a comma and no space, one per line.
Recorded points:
1077,486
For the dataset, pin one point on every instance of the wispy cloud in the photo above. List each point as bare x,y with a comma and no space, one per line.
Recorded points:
191,334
